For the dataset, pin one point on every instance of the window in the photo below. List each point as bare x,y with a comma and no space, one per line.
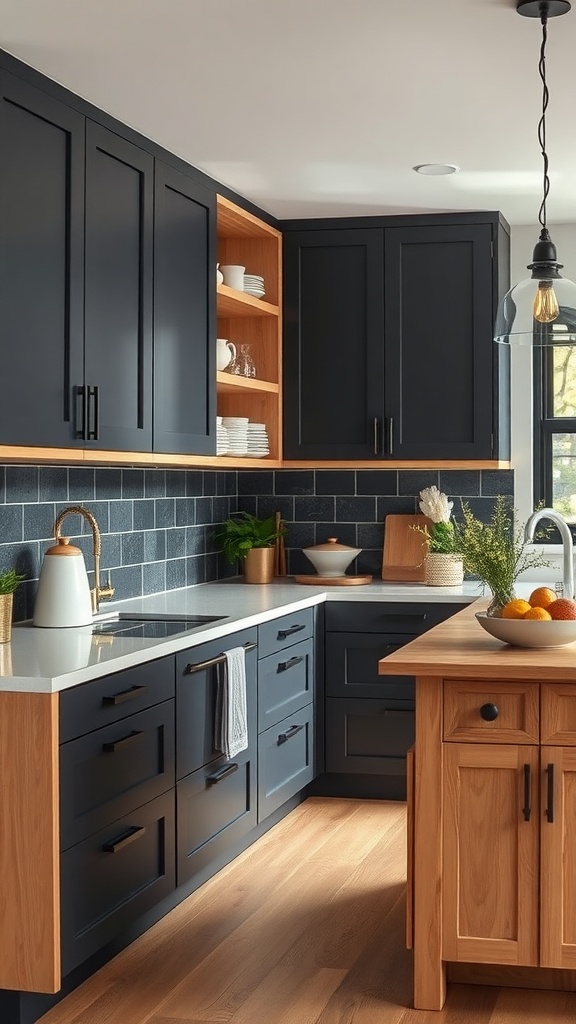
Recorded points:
555,429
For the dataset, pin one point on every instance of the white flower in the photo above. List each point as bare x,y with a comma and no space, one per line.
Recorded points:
435,505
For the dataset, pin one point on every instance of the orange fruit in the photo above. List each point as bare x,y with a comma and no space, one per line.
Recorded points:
538,613
515,609
542,597
563,608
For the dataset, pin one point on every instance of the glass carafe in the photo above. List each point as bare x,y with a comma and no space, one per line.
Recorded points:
243,364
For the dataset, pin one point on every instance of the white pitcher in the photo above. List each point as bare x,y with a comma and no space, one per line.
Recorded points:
225,353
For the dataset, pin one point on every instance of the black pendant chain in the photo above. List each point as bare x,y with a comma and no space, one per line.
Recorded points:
542,122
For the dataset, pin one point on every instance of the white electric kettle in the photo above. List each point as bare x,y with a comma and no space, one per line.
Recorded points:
63,597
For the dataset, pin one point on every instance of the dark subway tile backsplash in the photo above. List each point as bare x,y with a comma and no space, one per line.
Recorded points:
158,526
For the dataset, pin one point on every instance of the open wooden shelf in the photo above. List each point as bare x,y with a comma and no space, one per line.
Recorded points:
231,383
231,303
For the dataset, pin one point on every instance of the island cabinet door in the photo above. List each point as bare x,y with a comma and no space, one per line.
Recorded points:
491,854
558,857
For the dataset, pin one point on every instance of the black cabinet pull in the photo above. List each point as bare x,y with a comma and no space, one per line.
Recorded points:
550,807
200,666
283,633
283,666
397,712
124,695
223,773
376,426
285,736
489,712
93,415
113,746
390,435
527,795
129,837
82,419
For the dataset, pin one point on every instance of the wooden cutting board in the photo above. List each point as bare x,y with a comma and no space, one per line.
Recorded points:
404,549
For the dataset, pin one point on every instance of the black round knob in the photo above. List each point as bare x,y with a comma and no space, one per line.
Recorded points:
489,712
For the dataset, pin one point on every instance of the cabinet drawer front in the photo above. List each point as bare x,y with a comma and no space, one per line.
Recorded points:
285,683
109,880
558,714
196,695
352,666
495,712
369,737
87,707
216,805
285,760
107,773
390,617
285,631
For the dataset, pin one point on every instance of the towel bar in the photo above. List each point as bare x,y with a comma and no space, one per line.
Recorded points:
201,665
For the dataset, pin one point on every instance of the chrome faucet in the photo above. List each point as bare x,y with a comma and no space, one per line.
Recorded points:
567,543
97,592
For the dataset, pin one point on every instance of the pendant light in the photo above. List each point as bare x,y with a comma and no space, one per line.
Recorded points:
540,310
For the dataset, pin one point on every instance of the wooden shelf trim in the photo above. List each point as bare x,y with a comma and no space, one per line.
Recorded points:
229,383
233,222
229,302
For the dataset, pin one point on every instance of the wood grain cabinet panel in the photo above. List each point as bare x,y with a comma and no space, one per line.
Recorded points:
558,714
491,855
558,857
498,712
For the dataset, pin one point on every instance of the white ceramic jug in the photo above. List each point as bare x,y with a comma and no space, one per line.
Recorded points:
225,353
63,596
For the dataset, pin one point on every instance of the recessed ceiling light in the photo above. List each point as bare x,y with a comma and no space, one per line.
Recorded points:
436,168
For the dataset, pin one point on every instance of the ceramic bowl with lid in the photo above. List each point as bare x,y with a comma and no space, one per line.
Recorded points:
331,558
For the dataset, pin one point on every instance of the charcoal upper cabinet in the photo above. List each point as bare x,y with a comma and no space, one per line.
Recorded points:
116,393
334,343
388,339
41,263
184,314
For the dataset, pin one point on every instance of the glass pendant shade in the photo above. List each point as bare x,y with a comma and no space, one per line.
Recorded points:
516,322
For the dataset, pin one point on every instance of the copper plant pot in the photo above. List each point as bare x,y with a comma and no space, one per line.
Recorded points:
259,565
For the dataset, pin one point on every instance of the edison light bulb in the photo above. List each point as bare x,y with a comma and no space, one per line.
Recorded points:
546,308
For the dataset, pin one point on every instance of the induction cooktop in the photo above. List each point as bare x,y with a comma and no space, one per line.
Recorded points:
151,628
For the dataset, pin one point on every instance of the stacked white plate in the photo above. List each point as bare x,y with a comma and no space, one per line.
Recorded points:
221,437
258,445
254,285
237,429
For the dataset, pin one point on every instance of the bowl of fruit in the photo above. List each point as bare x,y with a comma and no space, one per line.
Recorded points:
544,620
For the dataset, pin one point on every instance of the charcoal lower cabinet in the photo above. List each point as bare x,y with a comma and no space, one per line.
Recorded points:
215,794
117,804
369,719
285,708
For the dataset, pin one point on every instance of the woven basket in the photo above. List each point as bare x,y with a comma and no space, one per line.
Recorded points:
5,618
443,570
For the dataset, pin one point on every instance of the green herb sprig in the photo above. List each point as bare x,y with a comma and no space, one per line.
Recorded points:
10,580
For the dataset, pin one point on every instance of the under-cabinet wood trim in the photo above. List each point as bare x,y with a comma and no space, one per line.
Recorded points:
29,842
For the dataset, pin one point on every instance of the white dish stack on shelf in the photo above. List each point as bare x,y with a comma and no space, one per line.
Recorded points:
237,430
254,285
258,445
221,437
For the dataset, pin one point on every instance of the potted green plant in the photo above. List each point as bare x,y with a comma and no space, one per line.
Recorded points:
443,565
9,581
246,538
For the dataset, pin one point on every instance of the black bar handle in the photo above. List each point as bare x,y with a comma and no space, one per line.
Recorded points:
199,666
285,736
390,435
124,695
283,666
114,745
82,418
129,837
550,795
527,793
223,773
397,712
283,633
376,426
93,403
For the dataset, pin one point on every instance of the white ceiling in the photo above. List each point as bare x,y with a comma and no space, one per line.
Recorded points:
321,107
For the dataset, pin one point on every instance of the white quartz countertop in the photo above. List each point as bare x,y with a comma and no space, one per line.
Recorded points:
48,660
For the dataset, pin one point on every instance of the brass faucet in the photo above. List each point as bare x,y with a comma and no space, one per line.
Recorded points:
97,592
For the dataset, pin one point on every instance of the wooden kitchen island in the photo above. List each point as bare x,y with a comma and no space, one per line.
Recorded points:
492,811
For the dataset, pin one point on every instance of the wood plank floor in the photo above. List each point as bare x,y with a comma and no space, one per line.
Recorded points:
306,927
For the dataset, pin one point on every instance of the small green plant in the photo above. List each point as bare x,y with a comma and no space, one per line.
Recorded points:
442,538
237,536
10,580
